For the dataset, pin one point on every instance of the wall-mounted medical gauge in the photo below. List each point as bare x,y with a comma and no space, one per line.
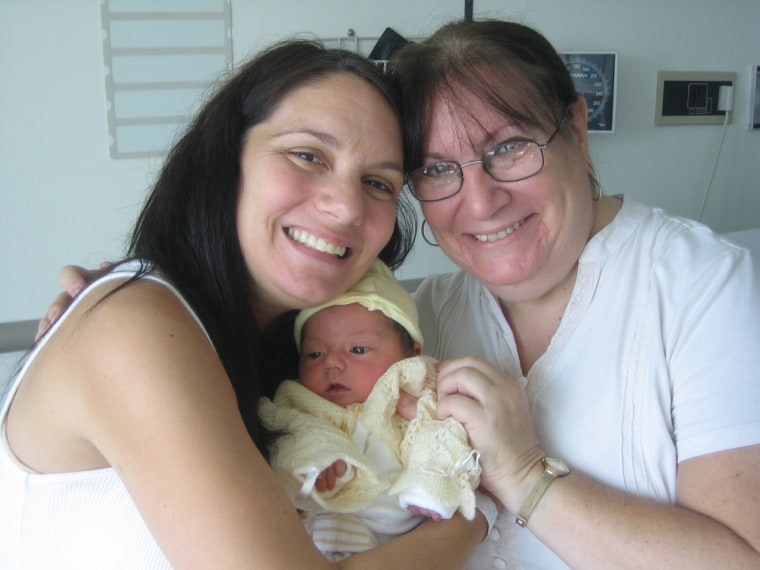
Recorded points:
595,77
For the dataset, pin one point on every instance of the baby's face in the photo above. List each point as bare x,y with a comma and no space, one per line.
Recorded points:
344,351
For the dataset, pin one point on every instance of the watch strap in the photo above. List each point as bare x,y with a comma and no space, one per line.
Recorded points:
548,477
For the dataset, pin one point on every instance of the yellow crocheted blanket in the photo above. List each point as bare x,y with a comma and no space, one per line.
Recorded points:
435,455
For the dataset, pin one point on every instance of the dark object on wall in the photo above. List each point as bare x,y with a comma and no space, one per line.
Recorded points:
468,10
389,42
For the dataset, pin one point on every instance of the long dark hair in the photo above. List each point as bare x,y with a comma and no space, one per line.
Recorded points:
508,66
187,227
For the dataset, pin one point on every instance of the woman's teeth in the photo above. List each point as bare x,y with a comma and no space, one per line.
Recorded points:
316,243
500,235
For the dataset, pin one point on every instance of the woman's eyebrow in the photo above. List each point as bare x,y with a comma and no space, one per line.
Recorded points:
391,165
334,142
486,142
322,136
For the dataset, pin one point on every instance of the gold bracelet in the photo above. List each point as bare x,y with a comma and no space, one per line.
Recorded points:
553,469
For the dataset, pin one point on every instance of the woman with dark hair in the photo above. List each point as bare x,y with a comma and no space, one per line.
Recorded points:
616,404
129,431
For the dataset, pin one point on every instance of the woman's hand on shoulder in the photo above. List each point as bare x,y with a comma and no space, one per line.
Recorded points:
73,279
493,407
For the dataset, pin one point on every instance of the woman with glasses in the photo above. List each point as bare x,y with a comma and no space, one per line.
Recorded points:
615,400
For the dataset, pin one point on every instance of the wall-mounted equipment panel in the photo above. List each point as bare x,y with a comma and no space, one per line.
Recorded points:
690,97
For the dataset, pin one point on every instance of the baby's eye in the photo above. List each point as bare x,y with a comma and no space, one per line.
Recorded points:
360,349
314,355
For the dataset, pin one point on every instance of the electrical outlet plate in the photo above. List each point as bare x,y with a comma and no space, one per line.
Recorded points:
690,97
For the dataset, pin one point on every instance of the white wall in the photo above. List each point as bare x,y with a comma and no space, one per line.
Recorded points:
63,200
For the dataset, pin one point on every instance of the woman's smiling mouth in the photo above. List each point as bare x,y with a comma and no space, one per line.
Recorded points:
499,235
316,243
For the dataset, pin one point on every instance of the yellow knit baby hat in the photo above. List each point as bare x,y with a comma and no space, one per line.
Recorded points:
378,290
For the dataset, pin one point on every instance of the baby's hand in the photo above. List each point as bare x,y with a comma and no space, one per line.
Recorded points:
407,406
420,512
326,479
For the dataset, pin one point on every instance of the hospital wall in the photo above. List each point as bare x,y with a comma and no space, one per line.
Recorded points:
63,199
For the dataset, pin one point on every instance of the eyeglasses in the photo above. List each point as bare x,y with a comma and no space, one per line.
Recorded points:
510,161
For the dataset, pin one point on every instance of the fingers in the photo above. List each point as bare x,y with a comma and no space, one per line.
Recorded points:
420,512
480,396
466,385
59,305
326,480
462,408
328,477
493,407
42,326
407,405
74,278
469,376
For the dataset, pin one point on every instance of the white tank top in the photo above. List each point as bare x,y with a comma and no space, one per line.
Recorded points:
83,520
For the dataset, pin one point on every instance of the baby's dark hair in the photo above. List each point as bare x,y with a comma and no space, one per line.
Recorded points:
406,339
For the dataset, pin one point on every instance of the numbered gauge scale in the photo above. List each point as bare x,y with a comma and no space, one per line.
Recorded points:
595,77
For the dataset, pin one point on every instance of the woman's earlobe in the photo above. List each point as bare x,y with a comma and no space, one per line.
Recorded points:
579,124
582,106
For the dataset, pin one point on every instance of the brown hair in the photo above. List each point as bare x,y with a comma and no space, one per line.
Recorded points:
508,66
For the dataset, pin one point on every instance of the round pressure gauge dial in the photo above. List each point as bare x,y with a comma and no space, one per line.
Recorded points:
594,78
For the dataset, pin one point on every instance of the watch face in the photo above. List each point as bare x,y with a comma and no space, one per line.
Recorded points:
557,465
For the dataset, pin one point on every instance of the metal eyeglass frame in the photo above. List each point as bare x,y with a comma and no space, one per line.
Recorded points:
483,161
